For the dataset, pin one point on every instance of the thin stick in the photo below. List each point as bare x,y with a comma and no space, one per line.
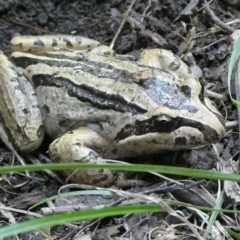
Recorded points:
122,24
25,25
212,15
158,39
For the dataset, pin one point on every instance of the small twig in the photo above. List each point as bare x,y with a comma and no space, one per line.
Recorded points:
146,9
22,24
231,124
122,24
215,95
28,213
168,28
212,15
158,39
7,214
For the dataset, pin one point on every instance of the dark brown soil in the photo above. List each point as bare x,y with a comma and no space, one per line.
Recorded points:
167,24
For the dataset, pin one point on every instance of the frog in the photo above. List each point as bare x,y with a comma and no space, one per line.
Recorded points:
96,105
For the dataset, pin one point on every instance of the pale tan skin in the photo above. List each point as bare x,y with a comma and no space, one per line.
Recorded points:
83,118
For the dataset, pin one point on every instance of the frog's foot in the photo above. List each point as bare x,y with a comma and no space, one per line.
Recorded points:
76,146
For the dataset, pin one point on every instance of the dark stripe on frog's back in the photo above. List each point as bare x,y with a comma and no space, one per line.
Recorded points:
85,93
96,68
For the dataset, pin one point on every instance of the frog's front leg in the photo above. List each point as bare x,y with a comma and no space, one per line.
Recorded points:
76,146
21,124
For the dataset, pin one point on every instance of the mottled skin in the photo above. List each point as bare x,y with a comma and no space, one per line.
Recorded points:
103,106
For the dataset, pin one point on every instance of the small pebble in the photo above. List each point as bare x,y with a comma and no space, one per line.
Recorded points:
42,18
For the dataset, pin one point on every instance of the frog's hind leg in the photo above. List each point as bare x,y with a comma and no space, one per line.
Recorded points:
77,146
20,117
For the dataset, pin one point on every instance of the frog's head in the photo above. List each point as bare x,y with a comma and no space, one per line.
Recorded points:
186,120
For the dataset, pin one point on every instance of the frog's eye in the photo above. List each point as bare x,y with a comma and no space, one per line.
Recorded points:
164,123
163,119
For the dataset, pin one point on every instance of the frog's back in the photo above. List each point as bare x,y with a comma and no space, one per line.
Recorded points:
75,89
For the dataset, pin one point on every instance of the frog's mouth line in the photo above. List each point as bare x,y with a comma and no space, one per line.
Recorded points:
153,125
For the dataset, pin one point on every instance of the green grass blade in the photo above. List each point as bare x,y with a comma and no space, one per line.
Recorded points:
233,61
180,171
34,224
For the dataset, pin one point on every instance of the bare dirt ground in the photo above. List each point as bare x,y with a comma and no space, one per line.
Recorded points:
180,26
